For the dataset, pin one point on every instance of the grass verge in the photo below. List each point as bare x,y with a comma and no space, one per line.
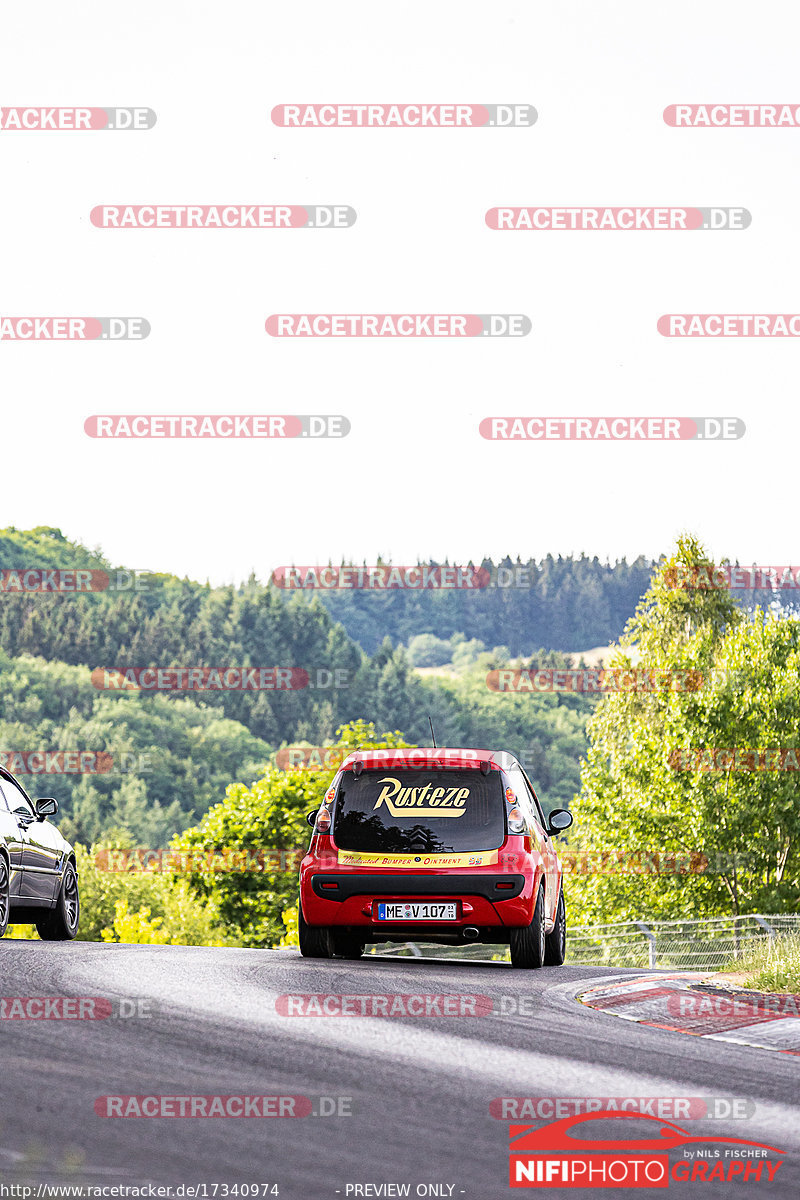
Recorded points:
774,966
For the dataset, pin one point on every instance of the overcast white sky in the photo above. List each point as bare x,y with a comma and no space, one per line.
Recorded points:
414,479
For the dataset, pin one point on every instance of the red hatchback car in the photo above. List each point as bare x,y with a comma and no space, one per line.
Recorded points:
433,845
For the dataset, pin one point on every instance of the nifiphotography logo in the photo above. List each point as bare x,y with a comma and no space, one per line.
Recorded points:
552,1157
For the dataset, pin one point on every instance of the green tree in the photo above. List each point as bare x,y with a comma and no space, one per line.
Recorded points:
650,785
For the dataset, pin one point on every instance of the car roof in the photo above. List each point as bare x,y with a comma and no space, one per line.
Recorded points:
433,757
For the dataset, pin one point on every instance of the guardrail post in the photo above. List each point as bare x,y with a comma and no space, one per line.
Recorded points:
765,925
651,939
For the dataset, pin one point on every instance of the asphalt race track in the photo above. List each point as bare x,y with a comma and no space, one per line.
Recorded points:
420,1086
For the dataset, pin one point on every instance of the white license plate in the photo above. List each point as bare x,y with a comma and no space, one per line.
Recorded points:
417,912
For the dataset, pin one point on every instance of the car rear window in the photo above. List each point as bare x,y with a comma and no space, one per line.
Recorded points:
419,811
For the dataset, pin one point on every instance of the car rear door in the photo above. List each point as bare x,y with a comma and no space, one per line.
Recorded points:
13,837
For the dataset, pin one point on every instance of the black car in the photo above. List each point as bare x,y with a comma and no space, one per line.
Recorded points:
38,872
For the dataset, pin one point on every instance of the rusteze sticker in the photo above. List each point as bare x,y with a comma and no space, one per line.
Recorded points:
481,858
427,801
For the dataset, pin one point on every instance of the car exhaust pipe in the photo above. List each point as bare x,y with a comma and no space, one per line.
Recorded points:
471,934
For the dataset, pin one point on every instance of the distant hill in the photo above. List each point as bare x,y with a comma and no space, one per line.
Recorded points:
197,741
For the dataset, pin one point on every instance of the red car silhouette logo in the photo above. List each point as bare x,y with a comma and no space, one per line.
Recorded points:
555,1136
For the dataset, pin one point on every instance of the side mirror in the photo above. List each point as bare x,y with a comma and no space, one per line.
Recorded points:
311,817
559,820
46,807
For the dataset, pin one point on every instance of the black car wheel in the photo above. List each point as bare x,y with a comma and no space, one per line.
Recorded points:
314,942
527,945
4,901
555,944
61,923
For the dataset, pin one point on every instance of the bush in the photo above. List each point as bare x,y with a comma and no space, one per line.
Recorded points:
134,906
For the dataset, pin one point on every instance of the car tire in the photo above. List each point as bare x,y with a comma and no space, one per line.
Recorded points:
315,942
555,943
5,903
527,945
60,924
347,945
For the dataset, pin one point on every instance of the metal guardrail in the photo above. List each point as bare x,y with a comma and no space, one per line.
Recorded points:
690,945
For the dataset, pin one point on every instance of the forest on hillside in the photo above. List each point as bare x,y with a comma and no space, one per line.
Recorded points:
176,751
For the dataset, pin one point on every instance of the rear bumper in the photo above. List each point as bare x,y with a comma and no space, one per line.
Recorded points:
348,901
340,887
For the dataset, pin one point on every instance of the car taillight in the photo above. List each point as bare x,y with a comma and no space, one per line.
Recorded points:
323,820
516,823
